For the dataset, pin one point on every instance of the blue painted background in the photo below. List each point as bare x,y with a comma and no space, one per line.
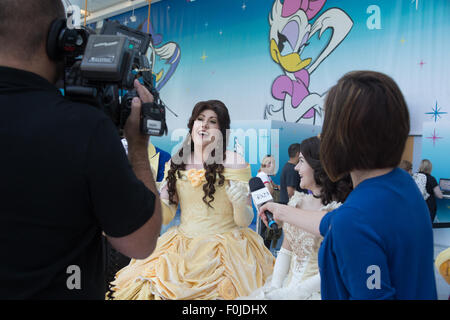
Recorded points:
225,52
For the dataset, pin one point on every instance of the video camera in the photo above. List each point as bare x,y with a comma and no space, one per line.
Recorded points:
98,69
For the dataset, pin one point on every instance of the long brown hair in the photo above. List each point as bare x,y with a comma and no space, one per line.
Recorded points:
331,191
212,170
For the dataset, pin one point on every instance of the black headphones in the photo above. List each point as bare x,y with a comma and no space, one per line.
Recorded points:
62,41
55,44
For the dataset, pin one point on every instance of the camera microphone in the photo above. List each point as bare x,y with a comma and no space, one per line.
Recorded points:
261,195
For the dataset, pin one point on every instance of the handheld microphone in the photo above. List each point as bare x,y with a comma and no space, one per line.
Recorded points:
260,196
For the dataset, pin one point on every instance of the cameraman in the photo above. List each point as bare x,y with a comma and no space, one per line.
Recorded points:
64,174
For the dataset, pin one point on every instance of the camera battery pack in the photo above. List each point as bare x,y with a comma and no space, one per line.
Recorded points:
138,40
106,58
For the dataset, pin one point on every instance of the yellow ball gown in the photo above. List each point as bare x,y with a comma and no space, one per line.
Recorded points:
208,256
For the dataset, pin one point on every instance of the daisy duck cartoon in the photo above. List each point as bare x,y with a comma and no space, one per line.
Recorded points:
290,31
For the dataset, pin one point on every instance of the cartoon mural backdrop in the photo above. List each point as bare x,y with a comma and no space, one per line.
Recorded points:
276,59
290,33
168,52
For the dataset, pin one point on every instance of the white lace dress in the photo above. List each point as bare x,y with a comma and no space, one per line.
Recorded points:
303,279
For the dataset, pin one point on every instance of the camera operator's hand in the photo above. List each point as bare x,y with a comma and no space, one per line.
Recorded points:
131,130
139,160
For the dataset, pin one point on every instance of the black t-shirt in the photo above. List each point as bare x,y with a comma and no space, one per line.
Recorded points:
64,177
431,201
289,178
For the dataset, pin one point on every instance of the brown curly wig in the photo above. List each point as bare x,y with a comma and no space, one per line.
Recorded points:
213,169
331,191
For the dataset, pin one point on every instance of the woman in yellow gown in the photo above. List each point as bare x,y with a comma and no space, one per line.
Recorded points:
212,254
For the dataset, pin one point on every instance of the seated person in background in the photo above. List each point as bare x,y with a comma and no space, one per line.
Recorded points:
406,165
265,172
431,186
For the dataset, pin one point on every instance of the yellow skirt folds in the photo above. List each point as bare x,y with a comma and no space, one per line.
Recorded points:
206,257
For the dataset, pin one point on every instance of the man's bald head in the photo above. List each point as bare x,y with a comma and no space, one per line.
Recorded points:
24,26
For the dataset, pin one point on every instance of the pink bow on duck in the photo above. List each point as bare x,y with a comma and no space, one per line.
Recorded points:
311,7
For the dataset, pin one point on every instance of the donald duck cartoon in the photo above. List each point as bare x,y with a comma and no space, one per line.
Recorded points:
290,32
169,53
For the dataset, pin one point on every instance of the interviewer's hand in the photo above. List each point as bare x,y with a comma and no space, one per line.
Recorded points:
277,211
132,131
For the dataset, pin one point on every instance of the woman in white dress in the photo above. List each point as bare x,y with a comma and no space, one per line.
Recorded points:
296,273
